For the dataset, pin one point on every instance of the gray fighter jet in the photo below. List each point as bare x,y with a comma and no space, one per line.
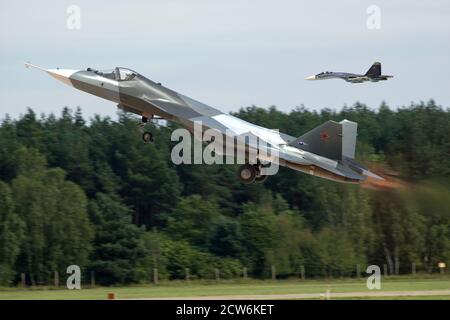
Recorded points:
326,151
373,74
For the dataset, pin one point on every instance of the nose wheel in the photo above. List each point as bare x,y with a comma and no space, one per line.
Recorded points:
147,136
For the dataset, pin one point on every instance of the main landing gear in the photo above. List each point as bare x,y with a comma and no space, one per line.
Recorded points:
249,173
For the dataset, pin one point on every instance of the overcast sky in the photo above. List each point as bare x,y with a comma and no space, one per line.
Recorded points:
228,54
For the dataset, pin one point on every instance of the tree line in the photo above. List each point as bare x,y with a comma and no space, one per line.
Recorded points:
91,193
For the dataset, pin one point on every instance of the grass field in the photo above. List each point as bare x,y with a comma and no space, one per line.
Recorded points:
238,288
400,298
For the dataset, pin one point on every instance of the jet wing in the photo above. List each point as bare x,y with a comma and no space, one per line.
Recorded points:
269,152
173,108
356,79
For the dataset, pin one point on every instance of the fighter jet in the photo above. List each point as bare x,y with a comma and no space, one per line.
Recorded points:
326,151
373,75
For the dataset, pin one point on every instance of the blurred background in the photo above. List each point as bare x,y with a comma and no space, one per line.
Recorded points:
79,187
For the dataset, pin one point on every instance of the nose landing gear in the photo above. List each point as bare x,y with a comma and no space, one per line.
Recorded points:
147,136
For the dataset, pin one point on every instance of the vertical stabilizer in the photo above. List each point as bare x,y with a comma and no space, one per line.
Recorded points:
331,139
349,132
374,71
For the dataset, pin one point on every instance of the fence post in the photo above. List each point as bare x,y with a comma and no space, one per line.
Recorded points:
155,275
23,280
187,273
244,273
92,279
358,271
413,268
302,272
217,274
385,270
56,282
397,266
274,273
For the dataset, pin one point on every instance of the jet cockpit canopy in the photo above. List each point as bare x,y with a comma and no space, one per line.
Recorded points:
118,73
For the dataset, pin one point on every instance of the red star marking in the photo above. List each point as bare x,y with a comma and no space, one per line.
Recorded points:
324,136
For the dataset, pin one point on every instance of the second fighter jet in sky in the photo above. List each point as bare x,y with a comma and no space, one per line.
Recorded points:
373,75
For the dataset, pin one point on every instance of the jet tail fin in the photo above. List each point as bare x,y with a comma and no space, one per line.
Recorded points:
375,70
334,140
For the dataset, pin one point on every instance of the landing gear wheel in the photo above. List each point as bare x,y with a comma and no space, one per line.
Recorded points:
260,178
147,137
247,173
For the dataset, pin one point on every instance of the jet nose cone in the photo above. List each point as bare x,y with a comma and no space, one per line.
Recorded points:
62,75
311,78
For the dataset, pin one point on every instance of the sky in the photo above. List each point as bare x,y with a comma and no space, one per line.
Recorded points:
228,54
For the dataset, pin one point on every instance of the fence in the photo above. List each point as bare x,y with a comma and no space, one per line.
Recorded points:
88,277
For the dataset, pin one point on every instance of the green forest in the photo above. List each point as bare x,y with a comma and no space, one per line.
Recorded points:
89,192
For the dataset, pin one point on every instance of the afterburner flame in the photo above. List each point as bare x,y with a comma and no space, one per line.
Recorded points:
389,183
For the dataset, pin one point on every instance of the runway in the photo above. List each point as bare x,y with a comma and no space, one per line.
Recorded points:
323,295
